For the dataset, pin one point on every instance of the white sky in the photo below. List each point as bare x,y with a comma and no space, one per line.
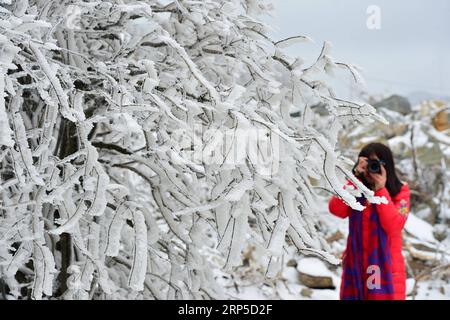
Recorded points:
411,51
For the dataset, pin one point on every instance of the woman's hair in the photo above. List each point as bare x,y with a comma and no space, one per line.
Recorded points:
393,183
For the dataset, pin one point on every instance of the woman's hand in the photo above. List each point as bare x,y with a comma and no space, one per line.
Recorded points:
361,167
379,179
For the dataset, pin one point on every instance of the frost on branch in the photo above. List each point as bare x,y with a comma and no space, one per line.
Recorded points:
144,144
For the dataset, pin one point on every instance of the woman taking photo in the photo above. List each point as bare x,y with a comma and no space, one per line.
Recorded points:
373,267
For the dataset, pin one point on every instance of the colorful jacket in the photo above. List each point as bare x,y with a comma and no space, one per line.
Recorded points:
391,218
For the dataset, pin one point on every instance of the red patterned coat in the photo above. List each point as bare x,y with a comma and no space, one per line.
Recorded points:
392,217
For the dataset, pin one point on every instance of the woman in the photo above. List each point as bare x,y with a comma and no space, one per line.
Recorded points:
372,264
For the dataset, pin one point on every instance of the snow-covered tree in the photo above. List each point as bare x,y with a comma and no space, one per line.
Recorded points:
137,137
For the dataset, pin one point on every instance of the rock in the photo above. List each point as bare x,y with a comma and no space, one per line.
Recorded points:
440,232
429,107
317,282
441,120
424,252
429,155
292,263
314,274
395,131
423,255
400,147
395,103
419,229
423,211
442,290
377,132
335,237
306,292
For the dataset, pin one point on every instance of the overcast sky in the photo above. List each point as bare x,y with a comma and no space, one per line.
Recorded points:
411,51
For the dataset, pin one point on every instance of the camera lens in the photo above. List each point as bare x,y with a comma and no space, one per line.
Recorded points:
374,166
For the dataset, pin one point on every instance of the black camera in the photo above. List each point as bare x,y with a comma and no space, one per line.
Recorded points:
374,165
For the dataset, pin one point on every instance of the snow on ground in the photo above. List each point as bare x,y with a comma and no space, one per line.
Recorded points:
314,267
419,228
432,290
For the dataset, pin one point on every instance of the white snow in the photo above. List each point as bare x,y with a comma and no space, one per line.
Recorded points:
313,267
410,282
419,228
